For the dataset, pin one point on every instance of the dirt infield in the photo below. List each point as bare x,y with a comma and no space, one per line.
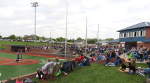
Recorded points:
7,61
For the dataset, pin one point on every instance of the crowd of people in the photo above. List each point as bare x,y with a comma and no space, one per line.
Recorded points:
125,59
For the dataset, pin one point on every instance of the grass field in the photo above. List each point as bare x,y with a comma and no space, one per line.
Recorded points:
13,71
98,73
20,43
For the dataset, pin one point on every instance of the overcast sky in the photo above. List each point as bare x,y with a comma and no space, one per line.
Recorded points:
17,17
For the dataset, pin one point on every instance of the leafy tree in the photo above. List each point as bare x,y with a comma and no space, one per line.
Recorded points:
71,40
79,39
1,37
53,39
12,37
92,41
19,38
42,38
60,39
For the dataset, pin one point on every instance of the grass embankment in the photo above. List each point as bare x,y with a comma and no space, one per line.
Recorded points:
97,73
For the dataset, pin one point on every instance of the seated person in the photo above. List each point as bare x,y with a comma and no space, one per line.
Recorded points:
86,61
101,57
107,61
47,69
132,66
144,71
110,64
123,65
117,61
148,63
79,59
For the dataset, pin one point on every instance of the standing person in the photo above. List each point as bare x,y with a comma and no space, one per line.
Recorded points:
20,54
18,57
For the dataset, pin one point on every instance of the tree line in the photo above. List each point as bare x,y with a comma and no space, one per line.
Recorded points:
59,39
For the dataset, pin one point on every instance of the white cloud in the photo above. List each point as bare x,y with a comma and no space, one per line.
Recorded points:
112,15
6,12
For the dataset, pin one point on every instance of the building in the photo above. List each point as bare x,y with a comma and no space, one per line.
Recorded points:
114,42
135,36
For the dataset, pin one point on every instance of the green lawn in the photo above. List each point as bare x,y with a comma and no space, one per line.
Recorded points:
13,71
98,73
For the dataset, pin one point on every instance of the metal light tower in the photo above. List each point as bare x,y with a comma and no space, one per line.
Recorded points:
50,37
86,38
66,29
98,36
35,5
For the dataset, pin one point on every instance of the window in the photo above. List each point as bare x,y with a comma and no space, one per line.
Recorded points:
134,34
120,35
139,33
130,34
125,35
143,33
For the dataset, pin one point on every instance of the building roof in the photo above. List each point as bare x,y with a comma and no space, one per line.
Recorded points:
136,26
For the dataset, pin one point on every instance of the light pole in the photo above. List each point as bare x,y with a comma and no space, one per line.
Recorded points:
98,36
66,30
86,38
35,5
50,37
